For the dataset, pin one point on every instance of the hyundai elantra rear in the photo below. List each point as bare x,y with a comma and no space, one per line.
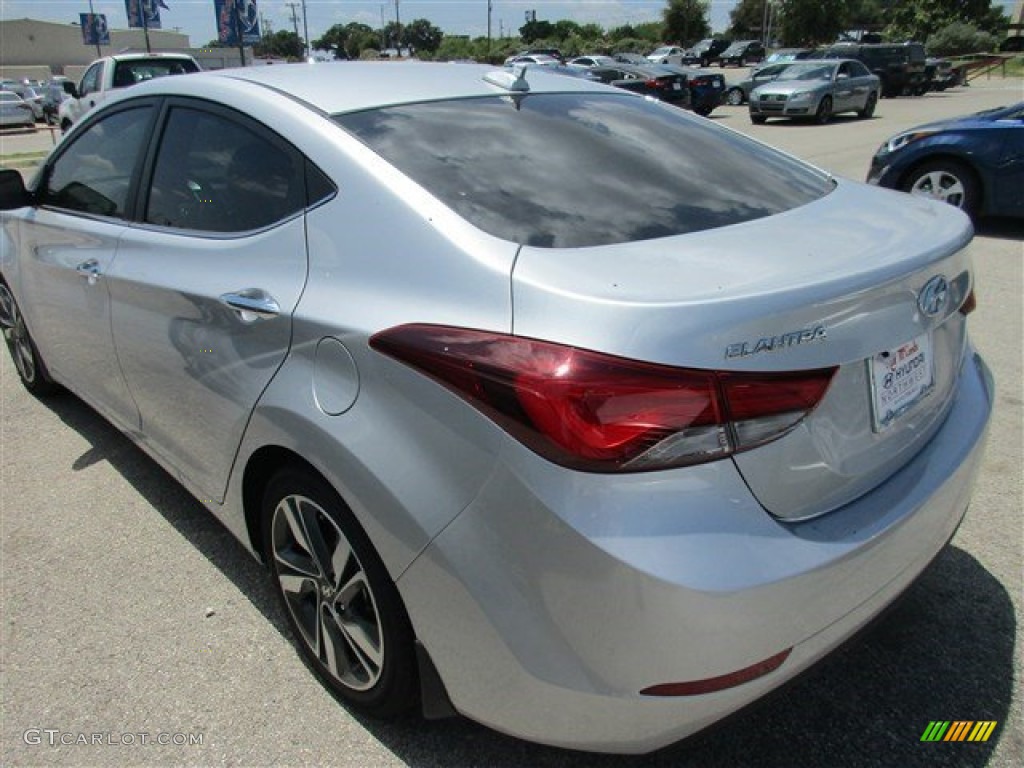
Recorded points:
597,421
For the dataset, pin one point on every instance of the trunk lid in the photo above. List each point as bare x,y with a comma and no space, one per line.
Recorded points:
838,282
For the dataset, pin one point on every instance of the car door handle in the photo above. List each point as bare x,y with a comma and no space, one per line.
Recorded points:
252,304
90,270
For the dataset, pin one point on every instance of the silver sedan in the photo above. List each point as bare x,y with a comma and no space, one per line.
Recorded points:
15,112
592,458
817,90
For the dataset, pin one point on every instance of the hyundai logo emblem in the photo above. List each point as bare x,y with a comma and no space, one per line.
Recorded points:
933,296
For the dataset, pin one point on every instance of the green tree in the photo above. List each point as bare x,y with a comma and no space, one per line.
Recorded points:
686,21
333,39
746,20
811,22
421,35
621,33
281,44
960,37
917,19
357,38
651,31
532,31
565,28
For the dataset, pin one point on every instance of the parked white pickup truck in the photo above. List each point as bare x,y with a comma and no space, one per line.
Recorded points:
119,71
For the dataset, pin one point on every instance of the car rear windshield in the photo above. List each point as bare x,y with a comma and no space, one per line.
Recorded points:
573,170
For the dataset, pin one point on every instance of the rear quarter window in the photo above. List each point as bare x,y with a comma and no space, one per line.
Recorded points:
574,170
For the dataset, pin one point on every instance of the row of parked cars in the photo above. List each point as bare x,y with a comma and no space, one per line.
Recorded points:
59,101
23,103
961,162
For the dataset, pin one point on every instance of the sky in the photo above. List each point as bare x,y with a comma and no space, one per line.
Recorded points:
463,17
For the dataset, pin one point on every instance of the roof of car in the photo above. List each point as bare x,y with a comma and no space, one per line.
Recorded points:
335,87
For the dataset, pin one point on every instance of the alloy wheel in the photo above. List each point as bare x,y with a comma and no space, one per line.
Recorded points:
17,337
940,185
327,592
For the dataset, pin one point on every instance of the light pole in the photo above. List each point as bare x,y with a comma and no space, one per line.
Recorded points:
91,14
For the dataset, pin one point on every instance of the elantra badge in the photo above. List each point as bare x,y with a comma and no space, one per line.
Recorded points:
776,343
933,296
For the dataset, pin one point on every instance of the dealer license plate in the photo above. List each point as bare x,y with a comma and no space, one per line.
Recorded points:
900,378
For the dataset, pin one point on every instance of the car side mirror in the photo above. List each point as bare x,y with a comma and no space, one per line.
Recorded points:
12,190
70,89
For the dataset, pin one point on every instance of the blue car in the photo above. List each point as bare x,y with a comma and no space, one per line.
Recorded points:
975,162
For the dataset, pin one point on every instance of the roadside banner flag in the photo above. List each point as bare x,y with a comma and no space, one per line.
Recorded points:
237,18
144,13
94,28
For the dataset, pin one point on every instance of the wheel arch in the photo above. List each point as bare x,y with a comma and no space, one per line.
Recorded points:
260,469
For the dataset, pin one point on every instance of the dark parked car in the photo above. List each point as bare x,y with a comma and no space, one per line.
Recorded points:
974,162
706,51
900,67
707,90
739,93
656,81
940,74
742,53
632,58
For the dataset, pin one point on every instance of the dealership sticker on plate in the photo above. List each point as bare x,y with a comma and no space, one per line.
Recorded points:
900,377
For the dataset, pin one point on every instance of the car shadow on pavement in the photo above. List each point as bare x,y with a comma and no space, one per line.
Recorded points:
188,517
945,652
1001,228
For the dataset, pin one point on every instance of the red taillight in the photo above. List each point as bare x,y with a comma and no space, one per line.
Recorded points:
970,304
653,83
596,412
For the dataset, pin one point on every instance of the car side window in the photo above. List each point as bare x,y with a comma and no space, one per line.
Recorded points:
93,175
215,174
91,79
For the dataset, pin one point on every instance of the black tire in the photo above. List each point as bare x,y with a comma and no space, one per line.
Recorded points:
824,112
703,110
947,180
65,126
734,97
28,362
704,63
869,106
758,119
342,606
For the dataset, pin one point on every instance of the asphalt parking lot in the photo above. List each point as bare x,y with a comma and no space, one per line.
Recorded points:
130,614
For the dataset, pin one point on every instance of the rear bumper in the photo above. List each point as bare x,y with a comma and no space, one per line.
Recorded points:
555,597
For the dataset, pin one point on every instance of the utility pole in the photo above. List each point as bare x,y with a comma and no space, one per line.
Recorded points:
488,28
305,28
295,17
398,29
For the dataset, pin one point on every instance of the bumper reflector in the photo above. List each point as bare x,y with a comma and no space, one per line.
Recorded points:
720,683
